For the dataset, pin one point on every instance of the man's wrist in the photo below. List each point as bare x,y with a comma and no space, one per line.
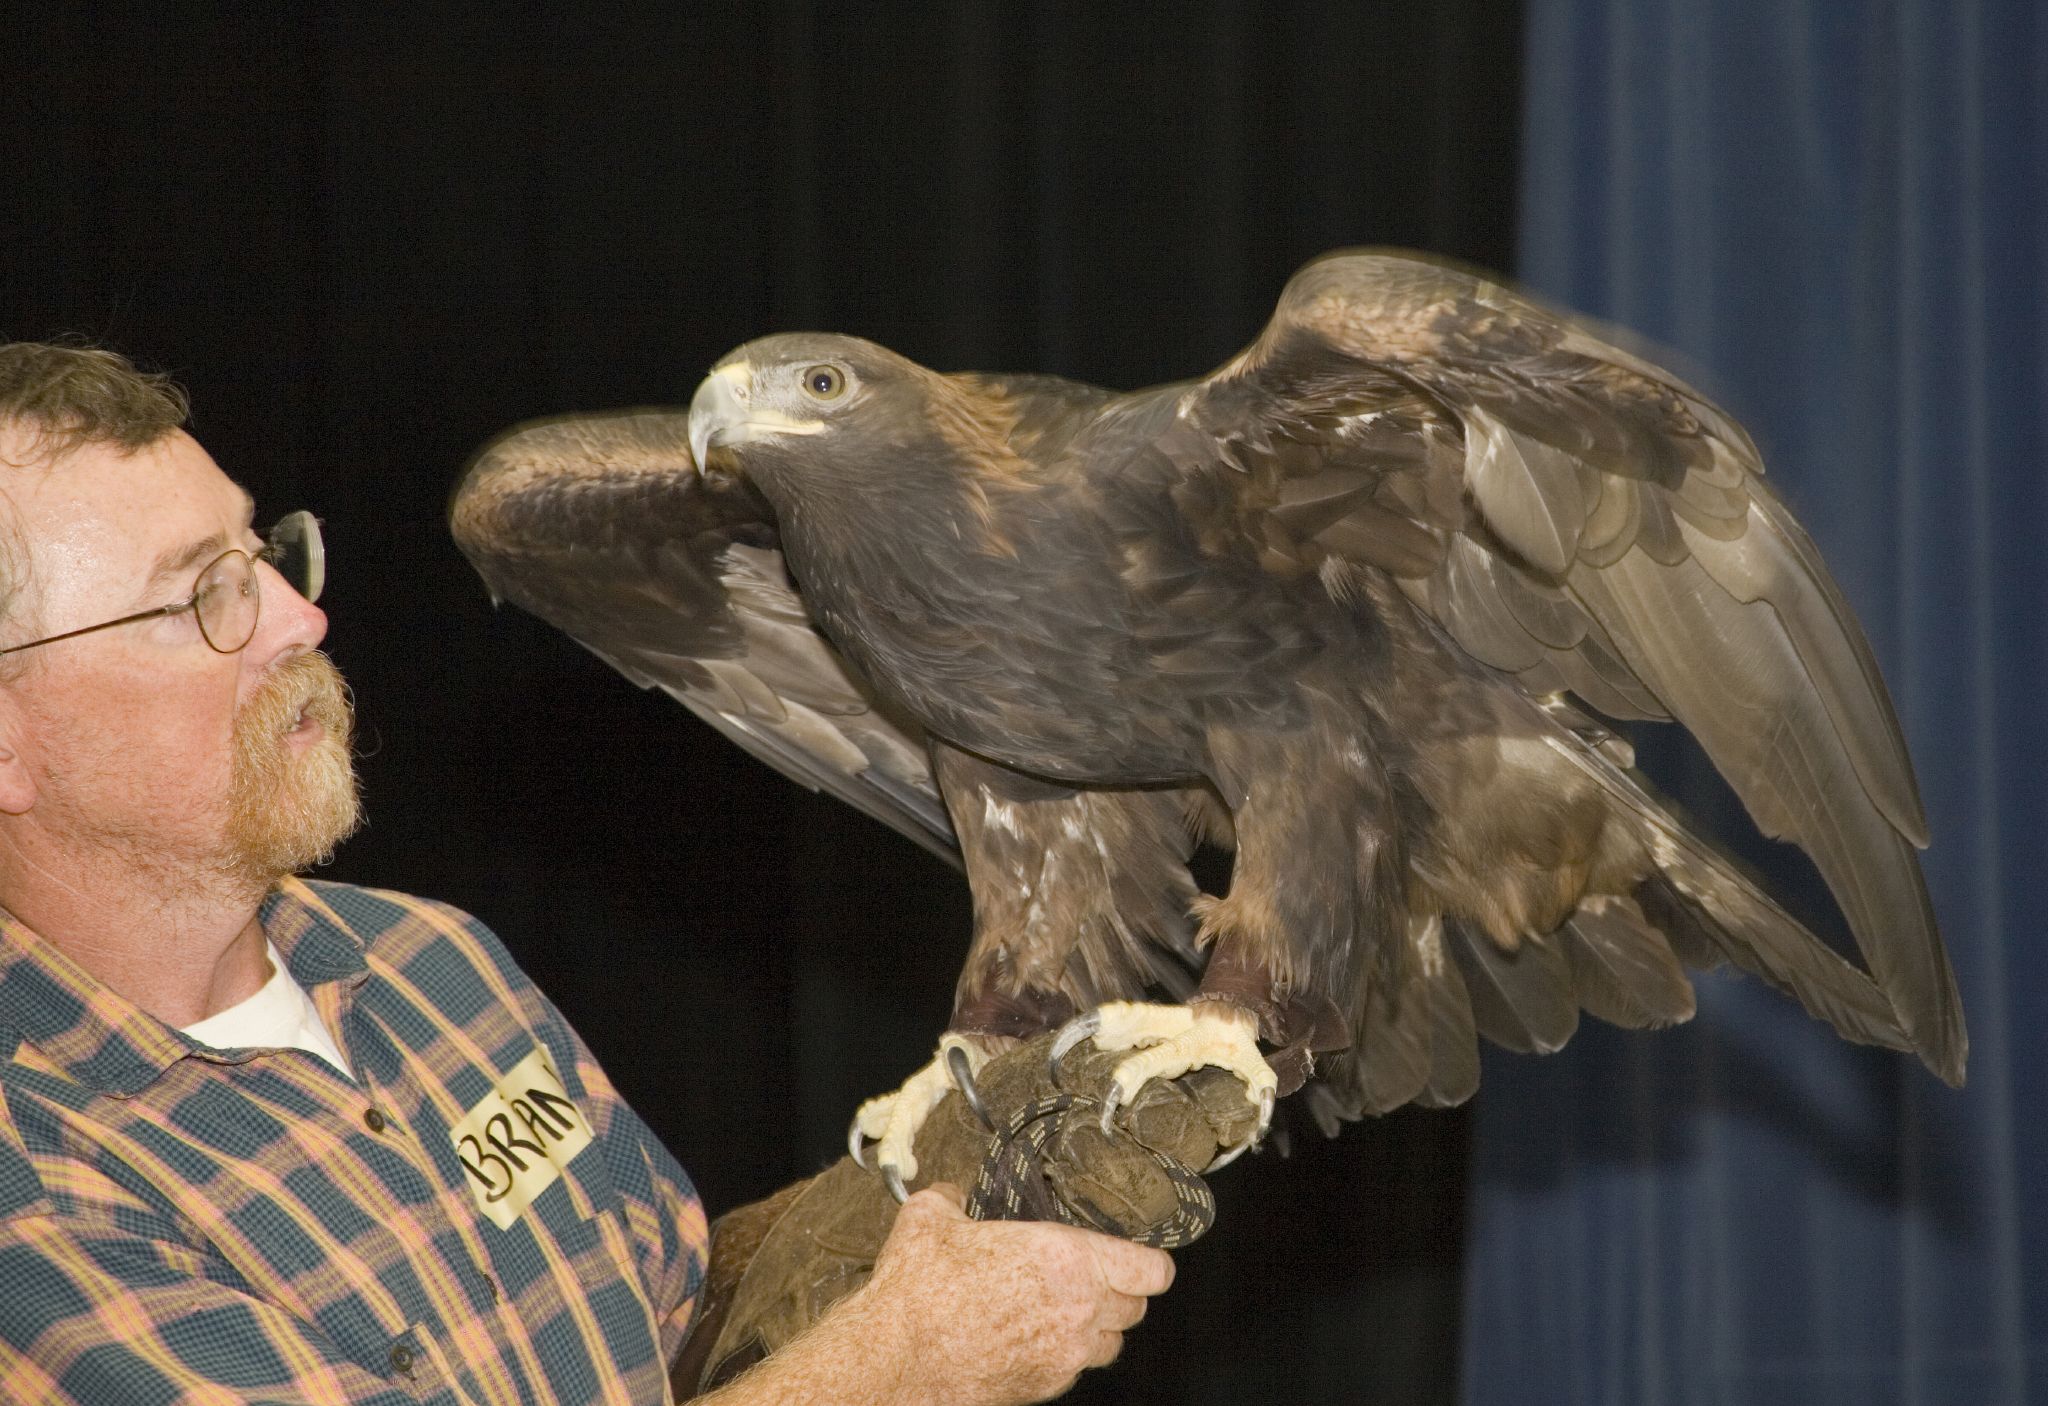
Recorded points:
859,1353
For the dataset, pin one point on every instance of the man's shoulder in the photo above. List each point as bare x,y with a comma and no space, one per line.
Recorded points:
430,959
371,912
403,931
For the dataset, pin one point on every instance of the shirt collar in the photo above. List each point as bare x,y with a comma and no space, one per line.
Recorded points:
318,944
111,1045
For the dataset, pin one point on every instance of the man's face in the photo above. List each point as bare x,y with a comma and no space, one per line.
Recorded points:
142,739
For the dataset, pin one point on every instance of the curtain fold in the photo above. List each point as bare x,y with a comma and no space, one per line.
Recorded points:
1833,215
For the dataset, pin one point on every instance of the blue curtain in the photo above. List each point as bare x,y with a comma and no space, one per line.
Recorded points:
1834,214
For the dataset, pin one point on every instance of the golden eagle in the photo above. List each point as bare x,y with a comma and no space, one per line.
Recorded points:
1359,606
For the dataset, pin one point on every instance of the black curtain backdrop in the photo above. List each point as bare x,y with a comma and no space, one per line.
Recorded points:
368,237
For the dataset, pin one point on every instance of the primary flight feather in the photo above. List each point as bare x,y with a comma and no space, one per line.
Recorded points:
1355,605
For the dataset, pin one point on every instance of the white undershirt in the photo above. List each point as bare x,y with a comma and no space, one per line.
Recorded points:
280,1016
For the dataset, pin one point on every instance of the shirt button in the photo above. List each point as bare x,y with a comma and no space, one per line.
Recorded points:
374,1120
401,1359
490,1288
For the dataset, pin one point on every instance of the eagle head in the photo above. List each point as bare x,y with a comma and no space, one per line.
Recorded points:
808,415
767,403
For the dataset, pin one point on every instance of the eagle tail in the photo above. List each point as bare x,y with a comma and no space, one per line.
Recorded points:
1712,912
1622,958
1707,910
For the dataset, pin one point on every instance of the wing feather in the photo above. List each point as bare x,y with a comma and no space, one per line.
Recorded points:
1527,491
1623,970
1454,1042
1521,1000
1599,526
602,526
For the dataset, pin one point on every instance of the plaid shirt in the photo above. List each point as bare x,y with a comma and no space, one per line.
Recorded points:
478,1219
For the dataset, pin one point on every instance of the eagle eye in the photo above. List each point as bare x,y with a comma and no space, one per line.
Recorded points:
824,382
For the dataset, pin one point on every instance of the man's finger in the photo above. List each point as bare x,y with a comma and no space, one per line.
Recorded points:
1132,1269
1107,1346
941,1198
1120,1312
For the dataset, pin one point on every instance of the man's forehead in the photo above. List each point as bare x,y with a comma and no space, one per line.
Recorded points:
120,516
169,474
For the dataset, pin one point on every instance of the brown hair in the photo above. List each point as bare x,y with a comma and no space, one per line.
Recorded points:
66,396
58,398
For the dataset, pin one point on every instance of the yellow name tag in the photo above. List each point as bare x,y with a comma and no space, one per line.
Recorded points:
517,1139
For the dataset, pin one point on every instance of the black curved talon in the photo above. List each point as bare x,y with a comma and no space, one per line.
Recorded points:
1251,1139
894,1181
856,1144
962,1070
1081,1027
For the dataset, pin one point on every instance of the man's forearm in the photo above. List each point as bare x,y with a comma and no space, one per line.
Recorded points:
857,1354
965,1313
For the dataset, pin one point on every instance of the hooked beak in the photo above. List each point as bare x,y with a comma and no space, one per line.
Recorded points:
722,413
719,405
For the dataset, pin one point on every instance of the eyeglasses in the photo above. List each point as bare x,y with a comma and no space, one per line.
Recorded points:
227,598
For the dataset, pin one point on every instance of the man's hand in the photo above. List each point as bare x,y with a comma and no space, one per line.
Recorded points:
1008,1311
963,1312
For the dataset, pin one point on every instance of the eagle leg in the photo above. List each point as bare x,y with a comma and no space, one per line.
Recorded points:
892,1120
1313,868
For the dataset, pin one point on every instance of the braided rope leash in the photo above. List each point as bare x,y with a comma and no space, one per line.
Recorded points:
1012,1183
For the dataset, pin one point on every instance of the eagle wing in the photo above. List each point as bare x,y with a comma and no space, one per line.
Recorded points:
1579,518
601,525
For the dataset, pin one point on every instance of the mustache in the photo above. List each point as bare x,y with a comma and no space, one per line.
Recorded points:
306,684
288,807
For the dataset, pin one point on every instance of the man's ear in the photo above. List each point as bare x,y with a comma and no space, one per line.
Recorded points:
17,781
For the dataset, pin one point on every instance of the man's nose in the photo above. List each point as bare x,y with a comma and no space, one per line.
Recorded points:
288,622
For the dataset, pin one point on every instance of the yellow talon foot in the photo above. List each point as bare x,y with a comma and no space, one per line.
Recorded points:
892,1121
1171,1040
